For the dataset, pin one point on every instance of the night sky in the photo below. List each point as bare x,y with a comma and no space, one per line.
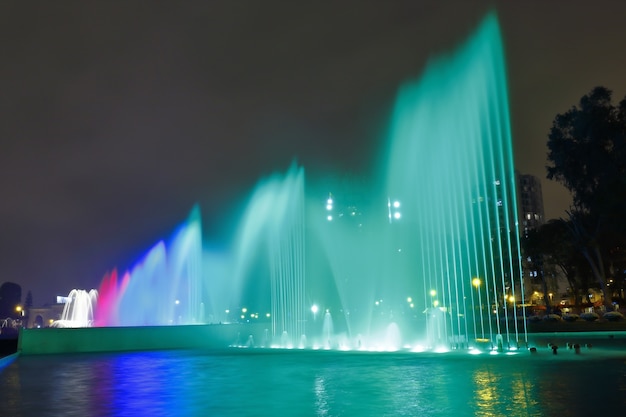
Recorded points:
117,116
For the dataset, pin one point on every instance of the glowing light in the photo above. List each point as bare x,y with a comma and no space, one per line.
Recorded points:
476,282
433,293
409,300
329,207
329,218
244,310
397,215
396,204
314,308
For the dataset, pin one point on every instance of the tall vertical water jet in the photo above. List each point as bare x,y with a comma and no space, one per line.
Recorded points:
108,299
327,330
450,165
270,247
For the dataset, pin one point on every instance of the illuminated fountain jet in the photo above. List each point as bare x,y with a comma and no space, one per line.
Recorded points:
427,253
79,309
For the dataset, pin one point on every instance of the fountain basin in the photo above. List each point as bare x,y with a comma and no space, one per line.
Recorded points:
117,339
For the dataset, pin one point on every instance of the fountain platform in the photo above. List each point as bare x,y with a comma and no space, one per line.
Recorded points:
118,339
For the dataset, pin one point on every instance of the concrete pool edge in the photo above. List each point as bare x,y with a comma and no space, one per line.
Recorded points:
117,339
212,336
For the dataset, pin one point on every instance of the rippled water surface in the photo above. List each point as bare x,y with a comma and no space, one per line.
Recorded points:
314,383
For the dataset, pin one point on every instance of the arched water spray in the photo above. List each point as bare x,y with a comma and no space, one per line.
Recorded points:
79,309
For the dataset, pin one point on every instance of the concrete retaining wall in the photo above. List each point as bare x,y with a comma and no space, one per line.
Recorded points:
115,339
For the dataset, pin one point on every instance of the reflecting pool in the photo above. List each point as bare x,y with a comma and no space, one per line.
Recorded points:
259,382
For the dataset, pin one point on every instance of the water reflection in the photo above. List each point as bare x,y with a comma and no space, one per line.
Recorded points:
522,395
496,391
321,397
266,383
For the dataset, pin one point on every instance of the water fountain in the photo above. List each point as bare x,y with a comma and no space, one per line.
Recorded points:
269,247
164,288
434,249
79,309
428,254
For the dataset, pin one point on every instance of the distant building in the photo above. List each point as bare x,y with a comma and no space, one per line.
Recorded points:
45,316
530,203
531,217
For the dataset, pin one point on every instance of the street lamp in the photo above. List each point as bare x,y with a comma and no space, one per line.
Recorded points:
476,282
393,210
433,294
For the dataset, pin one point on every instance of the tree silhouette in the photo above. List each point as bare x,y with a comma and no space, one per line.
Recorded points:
10,297
587,152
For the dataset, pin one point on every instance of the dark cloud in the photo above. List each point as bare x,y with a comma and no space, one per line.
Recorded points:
118,116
